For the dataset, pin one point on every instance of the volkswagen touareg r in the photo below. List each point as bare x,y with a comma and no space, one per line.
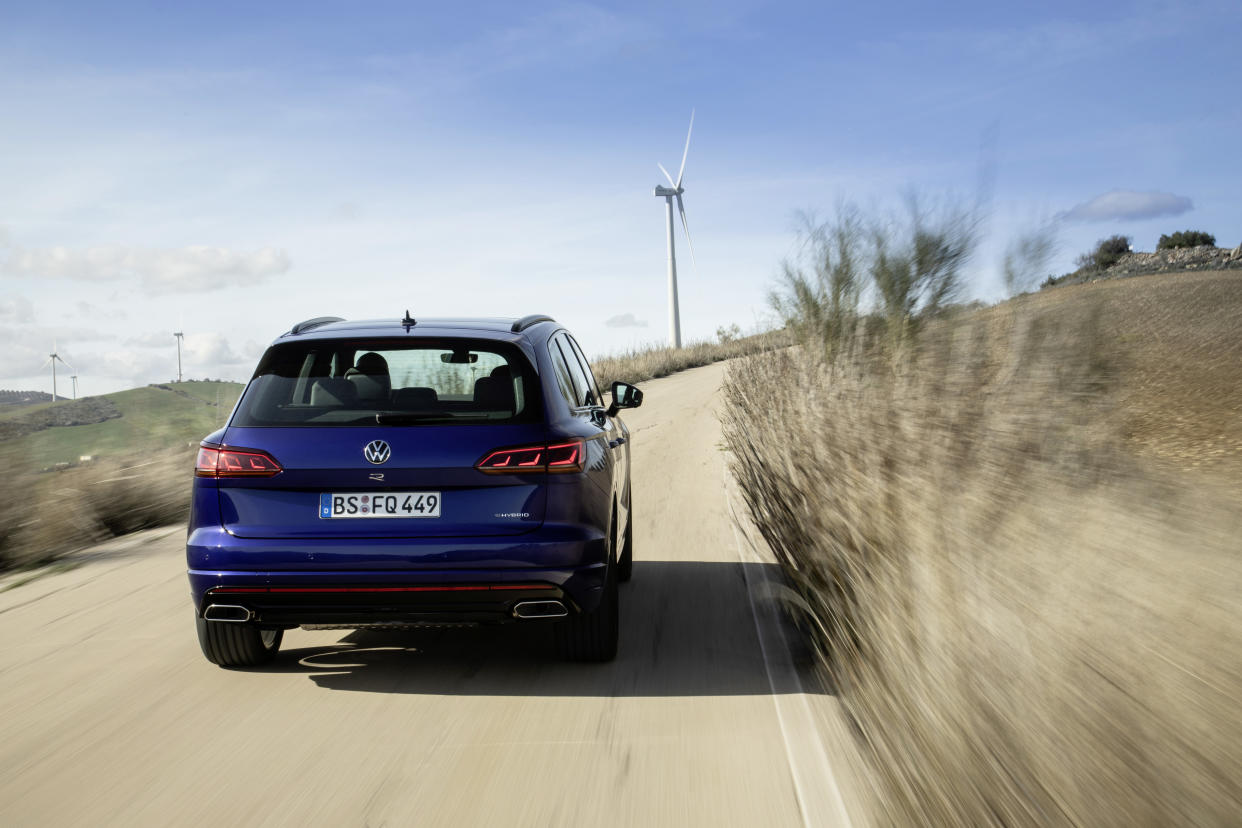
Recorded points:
414,472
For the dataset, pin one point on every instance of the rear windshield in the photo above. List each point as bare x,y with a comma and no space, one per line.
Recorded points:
402,382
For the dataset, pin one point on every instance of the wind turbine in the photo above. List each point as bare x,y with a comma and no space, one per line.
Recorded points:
52,358
75,385
179,336
668,194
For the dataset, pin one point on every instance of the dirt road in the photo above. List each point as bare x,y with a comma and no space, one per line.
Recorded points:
110,715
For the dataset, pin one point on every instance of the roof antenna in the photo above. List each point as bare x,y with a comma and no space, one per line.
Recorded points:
408,322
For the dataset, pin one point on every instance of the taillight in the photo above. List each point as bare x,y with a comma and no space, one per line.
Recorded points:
554,457
226,462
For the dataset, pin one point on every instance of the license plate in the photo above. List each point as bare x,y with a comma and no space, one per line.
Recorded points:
379,505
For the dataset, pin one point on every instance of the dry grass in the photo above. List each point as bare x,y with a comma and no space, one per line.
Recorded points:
49,515
1026,625
650,363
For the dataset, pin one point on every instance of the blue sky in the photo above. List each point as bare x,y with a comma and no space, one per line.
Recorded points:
236,168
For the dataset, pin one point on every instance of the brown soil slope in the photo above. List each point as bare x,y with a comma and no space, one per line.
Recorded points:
1178,348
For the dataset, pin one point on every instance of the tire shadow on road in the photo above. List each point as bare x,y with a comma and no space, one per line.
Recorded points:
687,629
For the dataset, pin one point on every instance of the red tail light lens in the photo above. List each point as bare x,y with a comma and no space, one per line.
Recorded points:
222,462
557,457
566,456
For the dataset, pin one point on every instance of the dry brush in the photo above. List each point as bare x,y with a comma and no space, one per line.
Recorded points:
1025,626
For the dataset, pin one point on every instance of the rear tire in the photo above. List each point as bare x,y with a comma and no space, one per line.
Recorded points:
592,636
237,645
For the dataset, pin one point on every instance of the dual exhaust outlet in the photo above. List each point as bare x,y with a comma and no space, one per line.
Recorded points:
539,609
228,612
236,614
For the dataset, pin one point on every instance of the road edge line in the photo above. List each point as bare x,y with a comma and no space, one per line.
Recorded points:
815,810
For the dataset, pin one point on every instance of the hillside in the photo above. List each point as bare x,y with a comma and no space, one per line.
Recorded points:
140,419
1176,337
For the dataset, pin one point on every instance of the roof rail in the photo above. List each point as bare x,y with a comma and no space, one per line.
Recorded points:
526,321
303,327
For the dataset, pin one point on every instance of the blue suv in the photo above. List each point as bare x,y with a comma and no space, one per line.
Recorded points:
414,472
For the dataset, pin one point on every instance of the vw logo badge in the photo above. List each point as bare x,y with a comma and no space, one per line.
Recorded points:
377,451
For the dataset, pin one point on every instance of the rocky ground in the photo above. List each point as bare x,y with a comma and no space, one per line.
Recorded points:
1180,260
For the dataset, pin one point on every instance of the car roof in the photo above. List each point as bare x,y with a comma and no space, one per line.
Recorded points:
508,329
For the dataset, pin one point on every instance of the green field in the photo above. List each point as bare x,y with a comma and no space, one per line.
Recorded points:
16,412
151,418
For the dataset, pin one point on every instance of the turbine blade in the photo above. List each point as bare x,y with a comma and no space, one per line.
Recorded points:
681,173
62,362
666,175
681,208
45,363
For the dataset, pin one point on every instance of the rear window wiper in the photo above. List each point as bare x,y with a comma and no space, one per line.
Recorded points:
405,417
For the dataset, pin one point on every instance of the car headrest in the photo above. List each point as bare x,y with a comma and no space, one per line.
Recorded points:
414,399
372,364
493,394
329,391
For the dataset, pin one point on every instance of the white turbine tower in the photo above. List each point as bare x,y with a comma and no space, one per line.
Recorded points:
52,358
668,194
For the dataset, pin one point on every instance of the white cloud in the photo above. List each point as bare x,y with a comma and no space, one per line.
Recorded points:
152,339
16,310
40,336
1128,205
112,311
625,320
212,351
135,368
202,355
26,350
139,360
192,269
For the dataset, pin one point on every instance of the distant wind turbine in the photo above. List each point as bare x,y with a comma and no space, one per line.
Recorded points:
668,194
52,358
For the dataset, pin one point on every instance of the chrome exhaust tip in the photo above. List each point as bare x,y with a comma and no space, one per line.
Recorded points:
540,609
228,612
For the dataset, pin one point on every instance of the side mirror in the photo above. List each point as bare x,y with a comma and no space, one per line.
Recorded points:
624,395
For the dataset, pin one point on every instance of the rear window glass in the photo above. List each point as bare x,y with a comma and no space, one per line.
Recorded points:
398,382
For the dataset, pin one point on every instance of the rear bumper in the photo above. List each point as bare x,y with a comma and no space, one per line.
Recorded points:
443,580
289,606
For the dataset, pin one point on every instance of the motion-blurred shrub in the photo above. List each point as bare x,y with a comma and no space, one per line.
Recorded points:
1186,238
45,516
142,495
1024,627
12,510
1026,257
911,266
